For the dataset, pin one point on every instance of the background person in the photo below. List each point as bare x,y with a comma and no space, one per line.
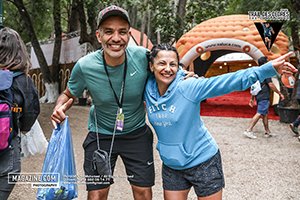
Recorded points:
190,155
14,57
294,126
263,103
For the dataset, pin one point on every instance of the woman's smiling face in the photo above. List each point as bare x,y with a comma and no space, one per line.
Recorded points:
165,66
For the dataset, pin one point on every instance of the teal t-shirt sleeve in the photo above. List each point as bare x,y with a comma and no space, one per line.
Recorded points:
76,83
140,58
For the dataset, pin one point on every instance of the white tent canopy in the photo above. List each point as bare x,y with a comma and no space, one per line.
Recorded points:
71,50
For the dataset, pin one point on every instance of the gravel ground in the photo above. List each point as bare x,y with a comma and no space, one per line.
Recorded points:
264,168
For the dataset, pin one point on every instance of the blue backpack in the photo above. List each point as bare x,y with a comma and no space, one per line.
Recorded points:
7,108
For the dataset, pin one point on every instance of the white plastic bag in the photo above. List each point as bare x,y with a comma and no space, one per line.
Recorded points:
34,142
255,88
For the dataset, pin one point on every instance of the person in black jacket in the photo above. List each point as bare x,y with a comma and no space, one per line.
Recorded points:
296,123
14,57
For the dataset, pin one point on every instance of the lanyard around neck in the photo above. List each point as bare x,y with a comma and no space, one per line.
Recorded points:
118,101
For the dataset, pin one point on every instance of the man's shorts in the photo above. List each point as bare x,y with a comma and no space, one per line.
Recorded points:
263,107
136,151
206,178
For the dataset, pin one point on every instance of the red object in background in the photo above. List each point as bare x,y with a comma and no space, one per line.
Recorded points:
234,104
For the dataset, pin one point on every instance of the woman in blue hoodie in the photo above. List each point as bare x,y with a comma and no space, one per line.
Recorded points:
189,153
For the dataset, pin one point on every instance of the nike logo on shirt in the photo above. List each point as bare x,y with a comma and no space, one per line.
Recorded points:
133,73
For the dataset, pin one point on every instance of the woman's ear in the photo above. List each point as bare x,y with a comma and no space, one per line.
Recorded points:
151,67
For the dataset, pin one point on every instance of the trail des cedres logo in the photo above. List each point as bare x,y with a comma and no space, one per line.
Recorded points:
276,15
269,29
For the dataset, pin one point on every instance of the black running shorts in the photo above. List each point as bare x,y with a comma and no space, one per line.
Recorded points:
136,151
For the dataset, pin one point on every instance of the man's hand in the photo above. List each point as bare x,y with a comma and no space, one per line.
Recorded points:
59,112
189,74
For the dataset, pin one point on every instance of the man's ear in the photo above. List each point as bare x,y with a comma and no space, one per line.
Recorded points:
98,35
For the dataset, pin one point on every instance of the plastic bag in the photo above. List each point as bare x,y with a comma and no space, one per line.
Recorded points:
255,88
34,142
60,159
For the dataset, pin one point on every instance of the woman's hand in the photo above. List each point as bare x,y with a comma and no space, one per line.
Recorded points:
283,67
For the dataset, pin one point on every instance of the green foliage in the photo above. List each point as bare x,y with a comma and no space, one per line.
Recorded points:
163,16
14,22
199,11
243,6
41,15
65,13
40,12
163,20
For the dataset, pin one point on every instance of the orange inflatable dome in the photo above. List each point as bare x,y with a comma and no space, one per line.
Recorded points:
232,27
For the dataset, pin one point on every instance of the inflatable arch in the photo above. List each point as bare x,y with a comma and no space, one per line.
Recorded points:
218,36
217,48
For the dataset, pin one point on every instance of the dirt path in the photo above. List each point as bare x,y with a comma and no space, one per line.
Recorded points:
265,168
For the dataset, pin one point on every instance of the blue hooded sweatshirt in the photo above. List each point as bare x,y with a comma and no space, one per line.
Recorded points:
183,139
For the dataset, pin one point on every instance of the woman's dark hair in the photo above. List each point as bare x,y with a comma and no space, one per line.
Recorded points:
161,47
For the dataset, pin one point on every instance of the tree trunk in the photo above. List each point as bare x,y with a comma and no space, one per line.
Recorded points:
57,40
180,14
52,91
158,38
143,27
144,21
148,25
73,22
133,16
84,36
34,41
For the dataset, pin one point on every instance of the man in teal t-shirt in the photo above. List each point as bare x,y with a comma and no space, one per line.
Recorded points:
115,77
93,77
